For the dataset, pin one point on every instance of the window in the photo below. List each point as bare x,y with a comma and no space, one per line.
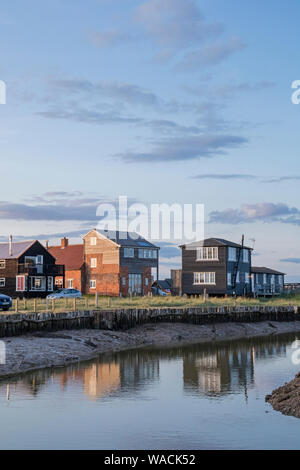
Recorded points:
92,284
207,254
148,254
265,279
231,254
123,281
135,283
93,262
229,279
38,284
238,277
247,278
2,282
50,284
146,281
93,241
58,282
70,283
128,252
2,263
204,278
246,256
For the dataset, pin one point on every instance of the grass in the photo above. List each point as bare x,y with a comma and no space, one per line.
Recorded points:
88,303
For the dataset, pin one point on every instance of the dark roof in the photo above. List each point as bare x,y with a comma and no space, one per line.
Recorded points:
127,239
165,284
262,270
71,256
18,248
214,242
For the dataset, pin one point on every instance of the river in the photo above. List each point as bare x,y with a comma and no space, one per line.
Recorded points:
205,396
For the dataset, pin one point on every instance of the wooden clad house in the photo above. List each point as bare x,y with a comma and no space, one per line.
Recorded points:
266,281
27,269
72,257
118,263
217,266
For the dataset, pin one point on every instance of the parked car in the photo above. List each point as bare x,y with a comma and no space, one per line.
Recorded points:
5,302
65,294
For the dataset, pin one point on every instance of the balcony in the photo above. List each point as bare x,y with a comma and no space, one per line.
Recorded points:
41,269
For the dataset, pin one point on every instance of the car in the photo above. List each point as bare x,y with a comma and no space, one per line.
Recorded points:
5,302
65,294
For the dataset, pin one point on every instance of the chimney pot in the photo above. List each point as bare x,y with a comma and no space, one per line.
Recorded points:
64,242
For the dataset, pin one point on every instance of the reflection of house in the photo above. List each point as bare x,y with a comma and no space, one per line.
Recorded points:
27,269
100,380
266,281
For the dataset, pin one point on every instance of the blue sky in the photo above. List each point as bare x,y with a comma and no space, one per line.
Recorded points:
164,101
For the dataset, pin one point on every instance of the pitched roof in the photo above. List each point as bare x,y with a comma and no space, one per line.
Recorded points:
127,239
262,270
18,248
215,242
71,256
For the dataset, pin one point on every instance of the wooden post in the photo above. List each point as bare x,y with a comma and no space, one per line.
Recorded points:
96,300
66,302
34,305
86,303
109,301
16,305
74,304
53,305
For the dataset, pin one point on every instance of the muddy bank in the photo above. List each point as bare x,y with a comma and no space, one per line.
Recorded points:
52,349
286,399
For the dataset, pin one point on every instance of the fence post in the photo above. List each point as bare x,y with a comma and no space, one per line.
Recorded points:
53,305
74,304
17,305
25,303
96,300
35,305
86,303
109,301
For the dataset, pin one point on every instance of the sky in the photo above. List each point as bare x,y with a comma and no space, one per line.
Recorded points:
164,101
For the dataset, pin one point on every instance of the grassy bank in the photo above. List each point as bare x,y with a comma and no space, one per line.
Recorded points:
88,303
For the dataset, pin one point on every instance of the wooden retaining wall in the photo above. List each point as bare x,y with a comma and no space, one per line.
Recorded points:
123,319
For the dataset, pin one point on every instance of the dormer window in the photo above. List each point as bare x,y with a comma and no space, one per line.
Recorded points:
207,254
93,241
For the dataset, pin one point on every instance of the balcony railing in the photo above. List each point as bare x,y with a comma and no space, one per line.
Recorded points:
41,269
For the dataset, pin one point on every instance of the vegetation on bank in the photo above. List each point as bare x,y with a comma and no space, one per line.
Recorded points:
88,303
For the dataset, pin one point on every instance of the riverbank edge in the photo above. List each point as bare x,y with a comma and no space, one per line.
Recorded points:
33,352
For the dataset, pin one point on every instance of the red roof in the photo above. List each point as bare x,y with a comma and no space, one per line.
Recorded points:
71,256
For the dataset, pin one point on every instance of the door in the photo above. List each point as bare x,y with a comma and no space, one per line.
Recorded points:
135,284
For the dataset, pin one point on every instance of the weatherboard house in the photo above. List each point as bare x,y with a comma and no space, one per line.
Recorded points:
216,266
27,269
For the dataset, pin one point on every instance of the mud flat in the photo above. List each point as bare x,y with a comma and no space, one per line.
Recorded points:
286,399
51,349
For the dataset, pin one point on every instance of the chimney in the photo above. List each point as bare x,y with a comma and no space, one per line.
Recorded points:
64,242
47,244
10,245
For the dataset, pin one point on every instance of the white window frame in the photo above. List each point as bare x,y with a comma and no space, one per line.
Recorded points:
93,262
25,279
33,287
93,241
205,279
93,284
70,283
2,282
128,252
207,253
2,263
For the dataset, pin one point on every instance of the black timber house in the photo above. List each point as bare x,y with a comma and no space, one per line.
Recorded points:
266,281
216,266
27,269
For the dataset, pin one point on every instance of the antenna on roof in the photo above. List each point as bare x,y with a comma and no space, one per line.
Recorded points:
253,240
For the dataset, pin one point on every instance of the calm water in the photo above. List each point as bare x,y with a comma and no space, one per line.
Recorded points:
197,397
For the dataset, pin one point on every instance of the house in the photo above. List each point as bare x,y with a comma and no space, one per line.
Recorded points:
266,281
72,257
119,263
27,269
217,267
176,276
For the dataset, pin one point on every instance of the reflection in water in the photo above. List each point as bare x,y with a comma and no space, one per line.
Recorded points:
207,395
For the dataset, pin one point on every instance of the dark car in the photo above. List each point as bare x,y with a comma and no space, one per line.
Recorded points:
5,302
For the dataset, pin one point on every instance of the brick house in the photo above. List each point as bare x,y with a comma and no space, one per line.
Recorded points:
119,263
27,269
72,257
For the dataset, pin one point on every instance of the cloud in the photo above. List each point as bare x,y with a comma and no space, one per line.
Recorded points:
224,177
291,260
174,25
169,251
185,148
261,212
229,91
281,179
89,116
210,55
